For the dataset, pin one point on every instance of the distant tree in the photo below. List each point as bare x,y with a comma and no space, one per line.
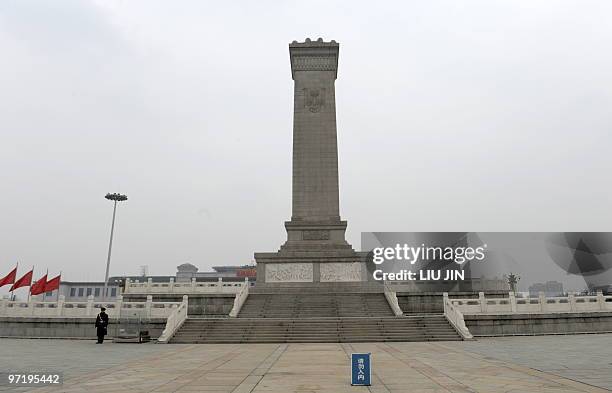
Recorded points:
512,280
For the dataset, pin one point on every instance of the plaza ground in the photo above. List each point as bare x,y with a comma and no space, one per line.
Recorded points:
579,363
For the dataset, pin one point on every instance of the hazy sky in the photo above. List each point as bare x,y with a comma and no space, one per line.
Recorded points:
452,116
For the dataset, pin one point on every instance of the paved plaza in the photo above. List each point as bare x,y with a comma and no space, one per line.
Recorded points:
580,363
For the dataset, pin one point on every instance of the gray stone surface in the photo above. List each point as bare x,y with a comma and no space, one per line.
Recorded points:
60,327
517,364
534,324
586,358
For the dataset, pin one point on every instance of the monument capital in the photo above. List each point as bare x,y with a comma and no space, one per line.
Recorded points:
314,56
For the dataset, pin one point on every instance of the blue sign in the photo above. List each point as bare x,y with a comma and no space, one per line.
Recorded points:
361,369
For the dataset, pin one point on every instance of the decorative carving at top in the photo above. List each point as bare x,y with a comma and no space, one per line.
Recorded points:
310,43
314,63
314,56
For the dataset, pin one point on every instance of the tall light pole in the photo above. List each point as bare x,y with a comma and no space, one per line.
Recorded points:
115,197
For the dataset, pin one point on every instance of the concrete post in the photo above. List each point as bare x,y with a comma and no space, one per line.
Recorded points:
127,285
601,301
31,305
149,284
512,297
171,285
220,284
118,306
542,299
482,301
89,309
186,303
148,305
571,299
60,305
193,284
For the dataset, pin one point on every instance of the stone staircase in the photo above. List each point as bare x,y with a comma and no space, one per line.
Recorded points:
317,318
315,330
326,305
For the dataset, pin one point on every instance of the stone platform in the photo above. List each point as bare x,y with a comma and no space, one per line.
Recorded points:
520,364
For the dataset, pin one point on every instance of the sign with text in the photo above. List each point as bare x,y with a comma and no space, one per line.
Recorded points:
361,369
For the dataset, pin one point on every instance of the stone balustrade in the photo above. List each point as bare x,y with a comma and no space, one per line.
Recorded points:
540,304
90,308
192,287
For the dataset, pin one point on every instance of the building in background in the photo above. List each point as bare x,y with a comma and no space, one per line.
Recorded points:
187,271
550,288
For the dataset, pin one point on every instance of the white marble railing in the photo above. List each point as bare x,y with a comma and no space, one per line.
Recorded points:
391,297
540,304
150,287
175,321
455,317
239,301
90,308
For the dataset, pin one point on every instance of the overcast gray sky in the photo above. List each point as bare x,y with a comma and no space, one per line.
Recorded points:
452,116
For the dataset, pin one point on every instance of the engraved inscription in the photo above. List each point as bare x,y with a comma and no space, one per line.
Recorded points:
337,271
289,272
315,235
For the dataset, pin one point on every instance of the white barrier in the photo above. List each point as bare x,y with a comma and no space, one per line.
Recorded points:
391,297
90,308
541,304
150,287
175,321
455,317
240,299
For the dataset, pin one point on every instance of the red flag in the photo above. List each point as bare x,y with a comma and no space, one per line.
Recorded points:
53,283
24,281
9,278
39,286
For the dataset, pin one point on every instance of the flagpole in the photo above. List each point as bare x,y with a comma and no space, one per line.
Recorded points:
46,279
30,287
12,290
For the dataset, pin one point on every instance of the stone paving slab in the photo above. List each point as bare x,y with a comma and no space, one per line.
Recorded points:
516,364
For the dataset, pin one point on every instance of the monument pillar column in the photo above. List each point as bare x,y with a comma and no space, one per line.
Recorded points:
316,250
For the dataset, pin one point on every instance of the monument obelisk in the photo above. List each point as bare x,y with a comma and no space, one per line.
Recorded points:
316,250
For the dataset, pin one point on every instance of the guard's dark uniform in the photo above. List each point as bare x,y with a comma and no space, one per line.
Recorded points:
101,324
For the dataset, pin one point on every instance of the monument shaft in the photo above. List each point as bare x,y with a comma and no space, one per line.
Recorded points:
316,251
315,149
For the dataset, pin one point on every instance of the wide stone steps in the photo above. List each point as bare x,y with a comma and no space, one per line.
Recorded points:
311,305
283,330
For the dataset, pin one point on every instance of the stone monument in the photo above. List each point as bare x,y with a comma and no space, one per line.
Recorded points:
316,250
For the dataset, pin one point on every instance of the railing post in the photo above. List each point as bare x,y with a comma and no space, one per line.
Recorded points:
193,284
60,305
171,285
31,307
90,304
148,305
601,300
483,302
127,285
118,306
445,300
220,284
186,304
542,299
149,284
571,299
512,302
